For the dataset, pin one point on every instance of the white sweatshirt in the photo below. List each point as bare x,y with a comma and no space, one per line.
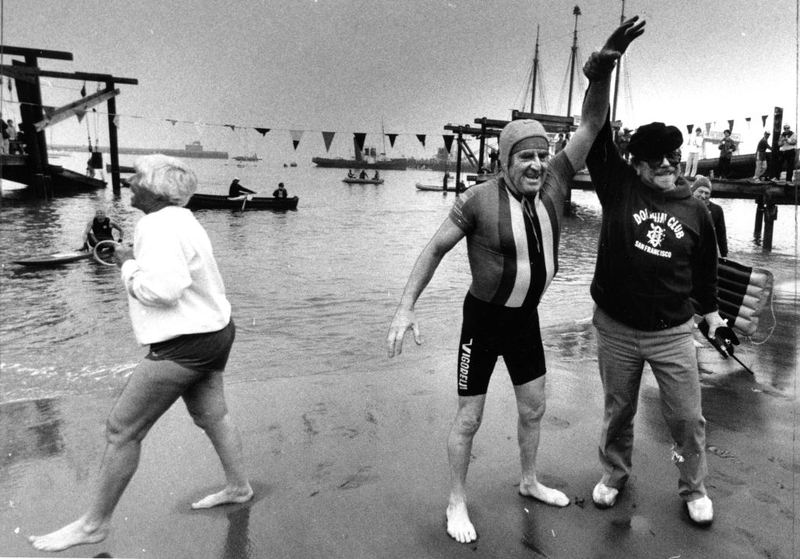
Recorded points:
173,283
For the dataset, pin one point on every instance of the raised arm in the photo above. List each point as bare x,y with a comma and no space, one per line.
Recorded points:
595,104
448,235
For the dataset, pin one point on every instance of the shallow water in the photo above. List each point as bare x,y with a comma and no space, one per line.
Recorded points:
313,290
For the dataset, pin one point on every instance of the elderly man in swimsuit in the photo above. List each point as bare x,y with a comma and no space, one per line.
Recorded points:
512,226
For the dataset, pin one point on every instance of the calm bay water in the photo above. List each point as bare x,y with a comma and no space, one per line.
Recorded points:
313,290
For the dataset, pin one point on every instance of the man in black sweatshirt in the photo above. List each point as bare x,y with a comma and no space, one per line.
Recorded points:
657,248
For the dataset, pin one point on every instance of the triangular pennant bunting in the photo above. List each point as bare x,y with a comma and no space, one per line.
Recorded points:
764,120
262,131
327,137
83,90
448,141
392,138
708,127
232,127
80,114
296,135
730,125
689,128
116,121
360,137
421,138
172,121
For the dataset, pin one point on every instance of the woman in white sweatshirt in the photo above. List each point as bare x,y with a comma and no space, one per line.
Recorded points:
178,307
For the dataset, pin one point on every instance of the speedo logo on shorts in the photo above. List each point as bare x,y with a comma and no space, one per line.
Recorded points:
463,365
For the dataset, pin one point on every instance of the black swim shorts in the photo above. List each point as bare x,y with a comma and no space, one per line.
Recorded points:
490,331
207,352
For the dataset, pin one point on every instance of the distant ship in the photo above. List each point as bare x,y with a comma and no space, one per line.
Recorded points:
253,157
195,149
363,160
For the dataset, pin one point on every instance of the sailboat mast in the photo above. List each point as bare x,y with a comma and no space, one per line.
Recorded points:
576,12
619,68
535,70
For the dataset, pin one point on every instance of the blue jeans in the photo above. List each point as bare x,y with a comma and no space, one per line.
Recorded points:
622,352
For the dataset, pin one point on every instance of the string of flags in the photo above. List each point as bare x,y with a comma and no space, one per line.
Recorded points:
731,122
295,134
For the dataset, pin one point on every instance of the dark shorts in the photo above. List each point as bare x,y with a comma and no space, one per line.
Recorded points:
207,352
490,331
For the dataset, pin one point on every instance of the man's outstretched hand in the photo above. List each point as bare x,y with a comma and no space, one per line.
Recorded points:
624,35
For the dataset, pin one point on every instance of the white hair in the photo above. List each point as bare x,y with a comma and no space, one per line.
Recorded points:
167,177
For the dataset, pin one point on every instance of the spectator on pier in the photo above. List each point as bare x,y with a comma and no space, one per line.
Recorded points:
5,135
363,175
238,192
701,189
100,228
761,158
512,226
693,147
351,174
788,153
656,256
622,143
726,148
179,309
377,176
280,192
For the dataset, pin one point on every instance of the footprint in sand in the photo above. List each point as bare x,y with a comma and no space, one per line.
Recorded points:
362,477
558,422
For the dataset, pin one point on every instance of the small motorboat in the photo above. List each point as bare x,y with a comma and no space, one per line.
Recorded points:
355,180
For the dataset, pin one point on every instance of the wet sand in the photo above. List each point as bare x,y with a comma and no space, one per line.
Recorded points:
354,466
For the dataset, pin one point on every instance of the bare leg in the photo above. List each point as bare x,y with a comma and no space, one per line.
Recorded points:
459,449
206,403
531,406
150,391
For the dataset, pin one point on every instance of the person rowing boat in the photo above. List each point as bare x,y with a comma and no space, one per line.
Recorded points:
238,192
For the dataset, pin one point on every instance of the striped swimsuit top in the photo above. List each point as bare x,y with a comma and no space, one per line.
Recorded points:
512,242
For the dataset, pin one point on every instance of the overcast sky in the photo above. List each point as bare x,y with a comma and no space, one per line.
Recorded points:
412,65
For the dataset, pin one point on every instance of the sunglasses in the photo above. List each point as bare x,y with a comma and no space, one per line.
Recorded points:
673,158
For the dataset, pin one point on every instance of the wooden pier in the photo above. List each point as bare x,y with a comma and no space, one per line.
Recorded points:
33,167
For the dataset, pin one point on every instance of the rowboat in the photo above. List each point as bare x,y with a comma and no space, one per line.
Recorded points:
54,259
437,188
362,181
217,202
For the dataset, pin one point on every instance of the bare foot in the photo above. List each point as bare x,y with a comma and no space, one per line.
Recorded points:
77,533
544,494
225,497
459,526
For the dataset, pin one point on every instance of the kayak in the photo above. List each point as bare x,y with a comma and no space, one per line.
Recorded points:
54,259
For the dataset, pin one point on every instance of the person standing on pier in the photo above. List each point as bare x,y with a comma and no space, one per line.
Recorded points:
726,148
788,153
177,307
761,158
512,227
693,147
657,251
